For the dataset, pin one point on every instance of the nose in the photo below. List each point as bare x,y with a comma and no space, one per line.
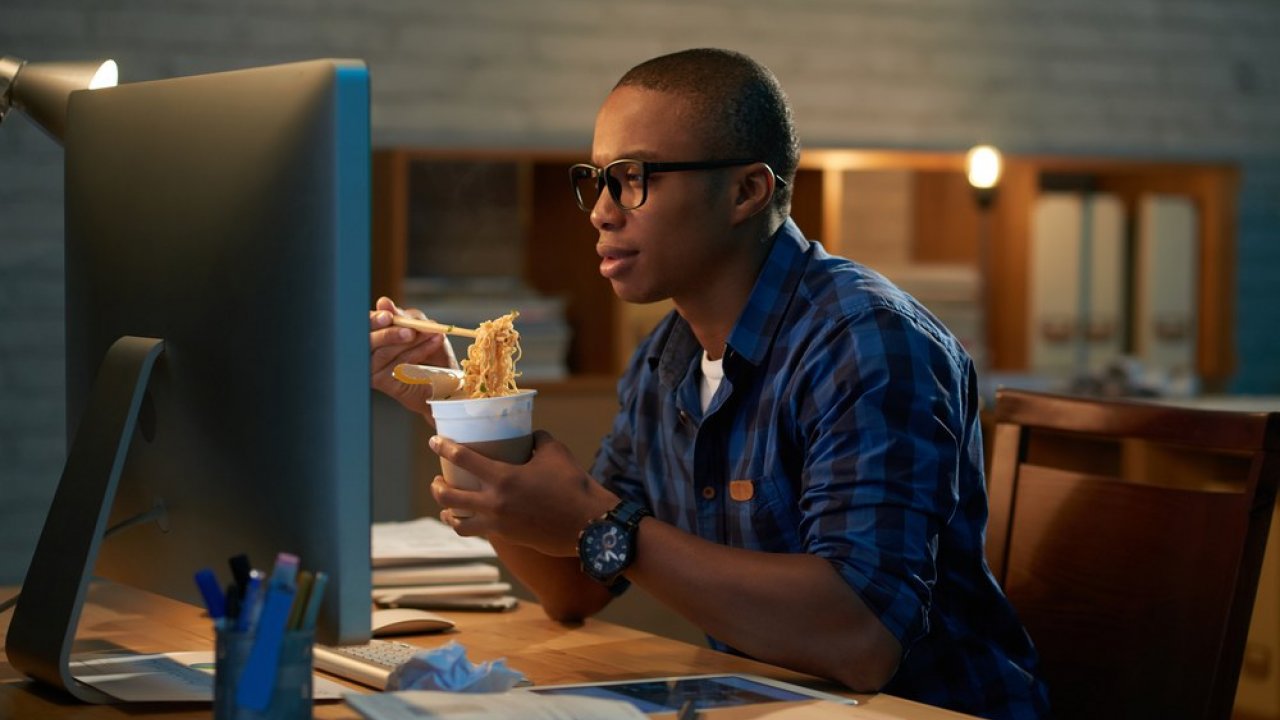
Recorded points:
605,214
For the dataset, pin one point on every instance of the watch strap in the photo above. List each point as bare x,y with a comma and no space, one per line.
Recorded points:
629,513
618,586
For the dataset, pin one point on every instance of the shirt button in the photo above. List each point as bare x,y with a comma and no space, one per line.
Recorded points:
708,492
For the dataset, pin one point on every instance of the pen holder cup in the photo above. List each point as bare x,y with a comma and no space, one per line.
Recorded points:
290,696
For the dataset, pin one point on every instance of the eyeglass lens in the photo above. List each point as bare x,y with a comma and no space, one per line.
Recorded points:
625,180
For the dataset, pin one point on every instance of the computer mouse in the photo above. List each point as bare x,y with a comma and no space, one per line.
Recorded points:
407,621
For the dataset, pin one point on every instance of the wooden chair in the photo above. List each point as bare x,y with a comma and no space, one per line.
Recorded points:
1129,537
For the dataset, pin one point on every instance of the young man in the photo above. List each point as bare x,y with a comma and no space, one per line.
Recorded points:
796,465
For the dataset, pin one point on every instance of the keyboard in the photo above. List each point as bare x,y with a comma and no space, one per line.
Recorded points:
369,664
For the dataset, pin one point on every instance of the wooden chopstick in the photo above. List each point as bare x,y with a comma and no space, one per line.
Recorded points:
435,327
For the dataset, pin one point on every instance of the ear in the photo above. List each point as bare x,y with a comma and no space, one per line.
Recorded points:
753,191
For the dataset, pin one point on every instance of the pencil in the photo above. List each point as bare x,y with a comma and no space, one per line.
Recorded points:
312,611
300,600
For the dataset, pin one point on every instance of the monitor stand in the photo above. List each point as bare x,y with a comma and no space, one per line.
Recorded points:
48,612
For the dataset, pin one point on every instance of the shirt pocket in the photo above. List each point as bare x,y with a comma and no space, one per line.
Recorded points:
758,516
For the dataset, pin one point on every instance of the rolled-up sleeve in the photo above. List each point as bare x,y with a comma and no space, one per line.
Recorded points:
881,473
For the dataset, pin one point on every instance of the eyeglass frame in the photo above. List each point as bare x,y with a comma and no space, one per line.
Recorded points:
648,168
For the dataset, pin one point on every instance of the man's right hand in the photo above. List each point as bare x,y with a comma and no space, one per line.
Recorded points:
390,345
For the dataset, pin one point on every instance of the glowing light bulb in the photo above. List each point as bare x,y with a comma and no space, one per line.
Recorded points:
983,164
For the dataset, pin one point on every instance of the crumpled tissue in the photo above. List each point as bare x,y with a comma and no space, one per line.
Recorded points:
447,668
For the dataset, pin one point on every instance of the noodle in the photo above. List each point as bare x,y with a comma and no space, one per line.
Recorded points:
490,367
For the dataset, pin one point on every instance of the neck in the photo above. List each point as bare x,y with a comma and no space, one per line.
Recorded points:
714,311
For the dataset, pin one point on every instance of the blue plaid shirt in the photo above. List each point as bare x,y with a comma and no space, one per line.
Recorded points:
853,414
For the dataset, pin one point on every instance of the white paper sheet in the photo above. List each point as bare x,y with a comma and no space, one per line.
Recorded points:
424,540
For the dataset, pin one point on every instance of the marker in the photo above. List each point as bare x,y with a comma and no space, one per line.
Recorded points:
233,604
313,603
241,568
258,680
251,603
214,601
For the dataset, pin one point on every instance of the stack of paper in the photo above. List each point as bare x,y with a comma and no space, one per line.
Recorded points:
423,563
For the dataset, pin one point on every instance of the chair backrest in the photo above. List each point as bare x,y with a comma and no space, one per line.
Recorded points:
1129,537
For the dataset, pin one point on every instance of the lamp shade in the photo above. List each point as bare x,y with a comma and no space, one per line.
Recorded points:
41,90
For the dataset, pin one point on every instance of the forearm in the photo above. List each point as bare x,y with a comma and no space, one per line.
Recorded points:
564,592
792,610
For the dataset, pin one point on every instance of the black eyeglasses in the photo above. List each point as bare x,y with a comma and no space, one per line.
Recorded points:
628,180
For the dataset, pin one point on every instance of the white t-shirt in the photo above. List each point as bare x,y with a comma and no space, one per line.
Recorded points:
712,374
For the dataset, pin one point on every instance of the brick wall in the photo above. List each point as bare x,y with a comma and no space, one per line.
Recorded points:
1178,79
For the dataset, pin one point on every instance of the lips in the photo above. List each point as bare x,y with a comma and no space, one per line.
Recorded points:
615,260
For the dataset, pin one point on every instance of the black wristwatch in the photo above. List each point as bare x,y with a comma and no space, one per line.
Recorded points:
607,545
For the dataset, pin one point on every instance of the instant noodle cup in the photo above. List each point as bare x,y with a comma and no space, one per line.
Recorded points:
500,428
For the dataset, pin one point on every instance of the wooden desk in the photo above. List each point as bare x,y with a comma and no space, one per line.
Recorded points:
546,651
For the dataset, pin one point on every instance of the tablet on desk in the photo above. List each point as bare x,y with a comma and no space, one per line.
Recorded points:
669,694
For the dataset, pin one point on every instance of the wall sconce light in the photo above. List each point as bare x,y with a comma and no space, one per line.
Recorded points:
984,165
41,90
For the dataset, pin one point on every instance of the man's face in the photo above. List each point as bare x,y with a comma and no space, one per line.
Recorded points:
672,245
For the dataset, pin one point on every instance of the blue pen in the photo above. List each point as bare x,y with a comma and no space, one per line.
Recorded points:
214,601
251,604
258,681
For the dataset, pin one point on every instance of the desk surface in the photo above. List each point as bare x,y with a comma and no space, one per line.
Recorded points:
546,651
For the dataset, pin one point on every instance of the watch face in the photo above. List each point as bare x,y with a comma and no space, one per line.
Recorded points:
604,548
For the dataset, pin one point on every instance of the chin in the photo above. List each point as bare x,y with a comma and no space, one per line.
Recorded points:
636,298
632,294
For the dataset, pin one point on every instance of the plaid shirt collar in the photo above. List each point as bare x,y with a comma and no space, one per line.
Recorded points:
759,322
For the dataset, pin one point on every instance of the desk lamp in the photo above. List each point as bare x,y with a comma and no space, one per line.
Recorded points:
41,90
983,165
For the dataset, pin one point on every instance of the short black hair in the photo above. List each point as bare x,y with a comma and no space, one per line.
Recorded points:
745,111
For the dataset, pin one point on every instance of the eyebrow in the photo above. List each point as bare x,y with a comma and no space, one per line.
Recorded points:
643,155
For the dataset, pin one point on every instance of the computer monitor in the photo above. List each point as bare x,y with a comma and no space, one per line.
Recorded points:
220,223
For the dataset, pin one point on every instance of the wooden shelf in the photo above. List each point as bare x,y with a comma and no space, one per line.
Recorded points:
556,237
942,226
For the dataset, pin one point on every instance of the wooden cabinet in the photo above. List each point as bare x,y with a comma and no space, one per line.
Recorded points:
468,212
